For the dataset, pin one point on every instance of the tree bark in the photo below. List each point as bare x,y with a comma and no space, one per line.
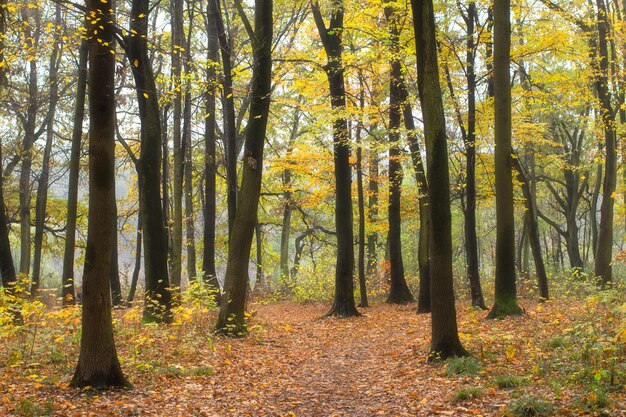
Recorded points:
361,199
68,277
604,250
157,292
135,277
98,366
505,297
231,319
445,339
210,161
343,304
399,292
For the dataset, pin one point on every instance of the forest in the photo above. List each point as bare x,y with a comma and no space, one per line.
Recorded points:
313,208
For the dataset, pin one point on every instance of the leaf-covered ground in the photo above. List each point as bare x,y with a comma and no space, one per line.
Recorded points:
567,353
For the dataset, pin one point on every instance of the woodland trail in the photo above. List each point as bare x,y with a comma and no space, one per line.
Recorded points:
294,364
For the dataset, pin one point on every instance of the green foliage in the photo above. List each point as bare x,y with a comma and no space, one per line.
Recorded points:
468,393
529,406
594,400
462,366
508,381
204,370
29,407
556,342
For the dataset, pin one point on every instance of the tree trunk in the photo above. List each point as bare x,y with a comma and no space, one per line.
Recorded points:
116,287
188,168
445,339
98,366
210,164
157,292
32,42
604,250
259,284
505,297
7,267
533,230
231,319
372,214
176,7
343,304
42,184
228,106
68,277
361,199
135,278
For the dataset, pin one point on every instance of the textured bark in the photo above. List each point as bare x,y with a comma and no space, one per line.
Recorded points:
176,11
361,200
98,366
210,165
42,185
505,297
445,339
68,277
135,277
228,106
231,319
32,42
604,250
190,238
399,292
157,293
533,230
7,267
114,276
343,304
372,214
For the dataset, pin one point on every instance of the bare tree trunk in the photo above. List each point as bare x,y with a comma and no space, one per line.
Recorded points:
135,278
361,199
445,339
505,302
98,365
331,37
68,277
231,319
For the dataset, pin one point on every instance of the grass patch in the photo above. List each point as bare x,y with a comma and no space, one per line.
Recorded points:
469,393
462,366
508,381
556,342
28,407
204,370
529,406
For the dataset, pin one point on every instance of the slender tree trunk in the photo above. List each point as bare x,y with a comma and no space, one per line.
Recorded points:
604,250
372,214
189,212
445,339
32,42
7,267
157,292
177,167
68,277
343,305
210,164
399,292
228,106
135,278
259,284
98,366
505,302
42,185
533,230
361,199
231,319
116,287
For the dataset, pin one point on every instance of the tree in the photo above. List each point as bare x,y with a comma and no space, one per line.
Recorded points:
505,298
210,161
157,295
98,366
445,339
604,250
399,292
231,319
67,277
331,37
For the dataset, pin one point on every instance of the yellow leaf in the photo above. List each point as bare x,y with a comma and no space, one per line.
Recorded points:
146,95
136,63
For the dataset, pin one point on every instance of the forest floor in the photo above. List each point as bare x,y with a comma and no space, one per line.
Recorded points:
563,352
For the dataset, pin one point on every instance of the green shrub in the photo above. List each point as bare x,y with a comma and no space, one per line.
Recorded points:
529,406
462,366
